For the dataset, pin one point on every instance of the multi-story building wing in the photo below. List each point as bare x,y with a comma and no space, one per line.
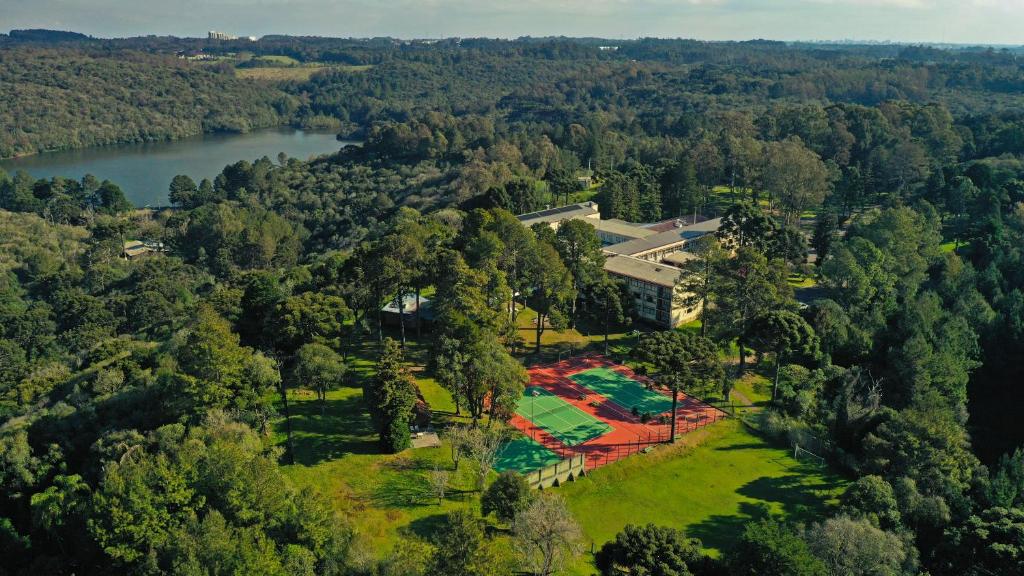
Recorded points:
648,257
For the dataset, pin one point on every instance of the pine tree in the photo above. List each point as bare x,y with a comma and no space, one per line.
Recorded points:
391,396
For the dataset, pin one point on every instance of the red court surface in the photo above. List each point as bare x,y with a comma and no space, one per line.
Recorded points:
628,435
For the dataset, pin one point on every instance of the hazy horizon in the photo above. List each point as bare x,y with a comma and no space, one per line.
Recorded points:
977,22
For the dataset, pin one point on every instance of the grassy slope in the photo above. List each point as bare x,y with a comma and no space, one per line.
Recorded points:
710,490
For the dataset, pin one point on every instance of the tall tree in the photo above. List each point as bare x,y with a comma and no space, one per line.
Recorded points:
683,360
746,287
320,368
391,395
796,177
552,291
546,535
653,550
745,224
607,305
786,335
580,248
697,280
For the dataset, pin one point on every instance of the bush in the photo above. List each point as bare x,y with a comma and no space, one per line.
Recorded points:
509,494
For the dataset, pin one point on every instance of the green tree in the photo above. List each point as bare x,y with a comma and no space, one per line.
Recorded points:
746,287
183,191
683,360
796,177
216,371
697,281
562,184
307,318
859,548
1006,485
552,291
872,497
110,199
786,335
606,305
651,550
460,548
508,495
746,225
580,249
391,395
770,548
989,542
320,368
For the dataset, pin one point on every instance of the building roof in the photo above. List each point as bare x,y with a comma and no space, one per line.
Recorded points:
665,239
559,214
409,307
686,220
645,270
623,228
679,258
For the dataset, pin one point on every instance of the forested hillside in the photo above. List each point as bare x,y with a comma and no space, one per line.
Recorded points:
146,403
70,98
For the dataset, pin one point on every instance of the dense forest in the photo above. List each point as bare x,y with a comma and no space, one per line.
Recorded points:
138,398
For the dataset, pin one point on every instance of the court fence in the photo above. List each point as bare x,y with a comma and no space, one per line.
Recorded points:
559,471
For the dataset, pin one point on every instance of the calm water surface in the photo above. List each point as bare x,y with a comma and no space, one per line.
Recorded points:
144,171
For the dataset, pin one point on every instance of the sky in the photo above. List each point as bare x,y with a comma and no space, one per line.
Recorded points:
944,21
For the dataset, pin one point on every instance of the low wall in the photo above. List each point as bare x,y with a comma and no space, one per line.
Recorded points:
545,477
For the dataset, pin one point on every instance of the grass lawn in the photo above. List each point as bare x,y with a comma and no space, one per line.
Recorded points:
384,495
710,490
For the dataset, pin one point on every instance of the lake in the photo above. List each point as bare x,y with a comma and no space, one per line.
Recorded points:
144,171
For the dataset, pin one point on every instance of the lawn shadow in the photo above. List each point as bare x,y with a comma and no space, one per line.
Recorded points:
747,446
801,500
722,531
342,429
427,526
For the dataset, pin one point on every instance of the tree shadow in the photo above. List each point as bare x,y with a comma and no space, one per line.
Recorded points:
721,531
427,526
343,429
747,446
800,501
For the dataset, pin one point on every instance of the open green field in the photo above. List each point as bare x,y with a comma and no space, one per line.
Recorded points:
290,73
710,490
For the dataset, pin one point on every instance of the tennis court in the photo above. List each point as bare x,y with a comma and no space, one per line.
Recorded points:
567,423
524,455
622,390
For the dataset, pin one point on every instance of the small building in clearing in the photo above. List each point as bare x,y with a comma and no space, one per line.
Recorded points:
392,316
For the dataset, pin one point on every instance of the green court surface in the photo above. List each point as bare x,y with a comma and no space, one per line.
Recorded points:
524,455
567,423
623,390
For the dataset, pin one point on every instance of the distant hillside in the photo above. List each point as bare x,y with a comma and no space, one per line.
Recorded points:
44,35
72,98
